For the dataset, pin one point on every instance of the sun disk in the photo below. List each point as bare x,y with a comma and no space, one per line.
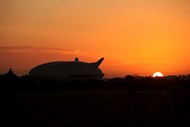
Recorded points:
157,74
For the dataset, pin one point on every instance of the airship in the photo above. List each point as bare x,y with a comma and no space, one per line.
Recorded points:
67,70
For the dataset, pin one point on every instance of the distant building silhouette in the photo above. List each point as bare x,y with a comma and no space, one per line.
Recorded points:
10,75
10,72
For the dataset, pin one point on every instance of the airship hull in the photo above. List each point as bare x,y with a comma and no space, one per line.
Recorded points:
67,70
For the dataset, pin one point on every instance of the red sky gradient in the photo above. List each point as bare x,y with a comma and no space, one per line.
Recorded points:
136,37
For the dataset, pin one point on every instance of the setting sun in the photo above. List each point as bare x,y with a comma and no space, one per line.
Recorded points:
157,74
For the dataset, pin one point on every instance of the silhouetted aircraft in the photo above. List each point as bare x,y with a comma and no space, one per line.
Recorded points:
67,70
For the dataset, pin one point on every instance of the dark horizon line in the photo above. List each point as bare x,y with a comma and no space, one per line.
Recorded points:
127,75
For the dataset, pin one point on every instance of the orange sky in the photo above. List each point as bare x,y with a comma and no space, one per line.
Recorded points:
135,36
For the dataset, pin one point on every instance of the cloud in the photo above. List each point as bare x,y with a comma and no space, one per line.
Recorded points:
32,48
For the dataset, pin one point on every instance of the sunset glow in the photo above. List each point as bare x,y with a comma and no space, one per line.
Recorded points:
134,36
157,74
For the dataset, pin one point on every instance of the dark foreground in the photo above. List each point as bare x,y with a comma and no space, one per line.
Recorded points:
119,102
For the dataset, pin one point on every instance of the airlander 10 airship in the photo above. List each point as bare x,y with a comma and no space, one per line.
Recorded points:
67,70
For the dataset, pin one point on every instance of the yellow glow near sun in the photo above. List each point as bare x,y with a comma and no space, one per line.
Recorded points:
157,74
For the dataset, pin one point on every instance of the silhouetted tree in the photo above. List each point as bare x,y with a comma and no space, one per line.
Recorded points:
129,77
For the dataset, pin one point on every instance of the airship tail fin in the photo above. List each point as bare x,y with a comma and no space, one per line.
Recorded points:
97,64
